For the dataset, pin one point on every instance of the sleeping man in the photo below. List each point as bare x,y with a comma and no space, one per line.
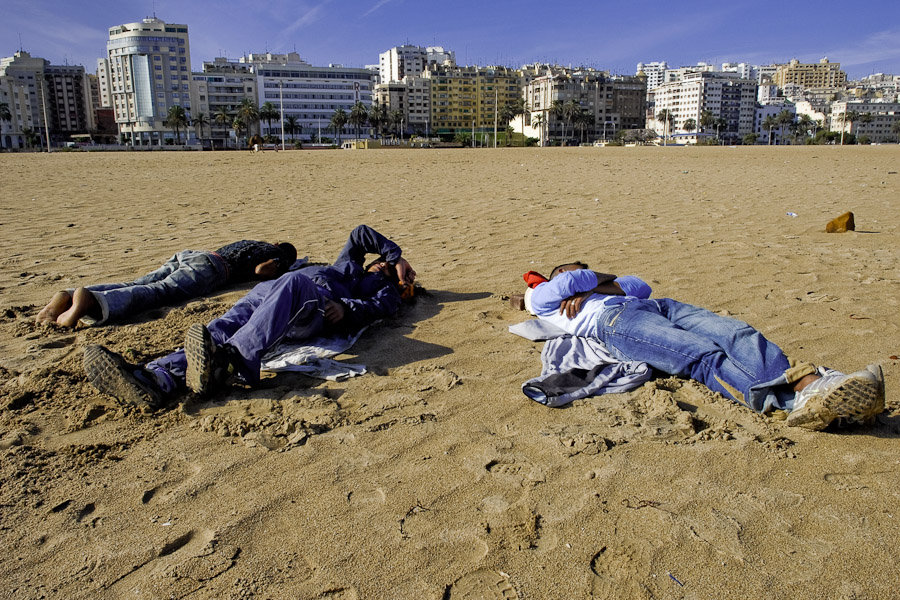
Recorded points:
726,355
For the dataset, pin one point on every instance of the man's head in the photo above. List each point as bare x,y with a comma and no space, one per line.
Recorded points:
570,266
389,271
288,255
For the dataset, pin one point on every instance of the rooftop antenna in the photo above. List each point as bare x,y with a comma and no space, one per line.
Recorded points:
154,9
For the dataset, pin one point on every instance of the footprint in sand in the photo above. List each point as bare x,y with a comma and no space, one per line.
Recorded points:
483,584
614,572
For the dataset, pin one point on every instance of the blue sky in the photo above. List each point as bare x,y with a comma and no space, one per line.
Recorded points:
864,37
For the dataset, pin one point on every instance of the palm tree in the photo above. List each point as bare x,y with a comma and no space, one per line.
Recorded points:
291,125
5,115
851,116
667,119
199,121
176,118
506,114
707,120
804,125
31,137
358,117
571,109
689,125
769,124
239,126
223,117
396,120
520,109
783,118
583,119
540,120
558,112
268,113
376,117
338,120
248,113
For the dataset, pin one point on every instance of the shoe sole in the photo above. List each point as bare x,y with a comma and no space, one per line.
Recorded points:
855,400
108,372
198,348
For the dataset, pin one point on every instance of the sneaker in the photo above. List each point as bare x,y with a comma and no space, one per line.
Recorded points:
111,374
851,398
208,365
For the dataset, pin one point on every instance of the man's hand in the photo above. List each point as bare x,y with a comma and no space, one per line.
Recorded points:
334,312
267,270
405,272
571,306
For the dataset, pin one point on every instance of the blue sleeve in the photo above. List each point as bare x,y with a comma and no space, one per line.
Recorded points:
365,240
634,286
546,296
383,303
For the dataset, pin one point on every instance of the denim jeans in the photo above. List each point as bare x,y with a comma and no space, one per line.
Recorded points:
188,274
291,306
726,355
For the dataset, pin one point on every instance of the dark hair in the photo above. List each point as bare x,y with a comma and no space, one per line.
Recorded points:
288,255
556,269
390,273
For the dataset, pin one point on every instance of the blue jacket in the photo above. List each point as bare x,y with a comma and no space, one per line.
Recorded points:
367,296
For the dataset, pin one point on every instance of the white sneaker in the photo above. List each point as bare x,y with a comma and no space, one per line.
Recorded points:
852,398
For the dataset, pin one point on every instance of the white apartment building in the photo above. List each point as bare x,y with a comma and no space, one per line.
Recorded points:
722,95
874,119
103,77
27,95
311,94
149,72
655,72
743,70
778,134
410,61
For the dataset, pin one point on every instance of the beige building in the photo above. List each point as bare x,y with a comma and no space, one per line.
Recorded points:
412,97
216,92
467,99
816,75
873,119
149,72
609,103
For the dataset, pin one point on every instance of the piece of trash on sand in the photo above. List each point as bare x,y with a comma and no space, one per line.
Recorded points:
791,214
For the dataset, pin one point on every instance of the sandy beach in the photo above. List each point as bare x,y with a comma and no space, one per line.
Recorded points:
433,476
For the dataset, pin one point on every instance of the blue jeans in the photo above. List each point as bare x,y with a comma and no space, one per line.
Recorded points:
188,274
290,306
726,355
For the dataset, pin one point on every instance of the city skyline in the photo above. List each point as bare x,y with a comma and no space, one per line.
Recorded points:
612,37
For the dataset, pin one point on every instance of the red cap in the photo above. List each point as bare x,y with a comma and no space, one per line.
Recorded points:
533,278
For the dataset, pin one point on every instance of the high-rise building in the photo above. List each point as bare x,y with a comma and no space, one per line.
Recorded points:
816,75
466,99
309,94
725,98
655,72
24,89
410,61
37,93
149,73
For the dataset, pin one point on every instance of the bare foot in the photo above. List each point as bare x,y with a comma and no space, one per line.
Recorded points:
83,302
60,302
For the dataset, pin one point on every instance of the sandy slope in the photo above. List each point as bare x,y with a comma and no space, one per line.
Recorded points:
433,476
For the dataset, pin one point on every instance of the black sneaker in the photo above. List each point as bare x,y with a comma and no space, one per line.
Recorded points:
111,374
208,365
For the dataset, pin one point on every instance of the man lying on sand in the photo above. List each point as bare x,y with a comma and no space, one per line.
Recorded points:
726,355
312,301
188,274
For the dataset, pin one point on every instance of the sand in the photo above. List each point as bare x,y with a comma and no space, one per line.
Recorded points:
433,476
